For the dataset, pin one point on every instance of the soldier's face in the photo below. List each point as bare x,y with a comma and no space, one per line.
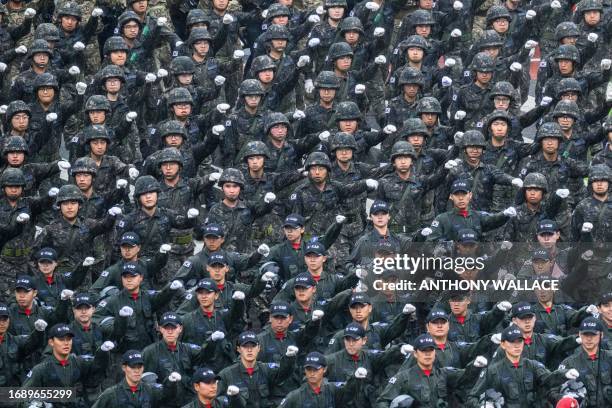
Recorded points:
429,119
175,140
402,163
416,141
206,299
148,200
459,306
344,155
220,5
513,349
112,85
280,323
97,117
314,262
354,346
133,373
185,79
170,170
544,296
548,240
499,128
83,313
570,96
590,342
493,52
279,45
45,94
501,102
335,13
118,57
303,294
423,30
206,390
24,297
569,40
201,47
541,266
131,282
41,59
425,358
255,163
411,90
380,219
231,191
46,267
566,122
61,346
13,192
15,159
343,64
288,3
533,195
213,243
249,352
348,126
131,30
4,324
464,249
426,4
217,272
171,333
318,174
525,324
550,145
129,252
592,17
501,25
70,209
600,187
461,199
327,95
360,312
252,101
438,327
606,311
415,54
566,67
140,7
83,181
473,152
266,76
351,37
280,20
278,132
314,376
483,77
69,23
20,121
293,234
98,146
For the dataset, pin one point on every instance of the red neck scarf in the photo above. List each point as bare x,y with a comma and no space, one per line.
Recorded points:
316,390
27,311
515,365
208,314
49,279
63,363
221,286
548,309
441,346
279,336
460,319
1,339
463,213
296,245
86,328
172,347
427,373
133,388
250,371
528,341
134,296
592,357
316,278
355,357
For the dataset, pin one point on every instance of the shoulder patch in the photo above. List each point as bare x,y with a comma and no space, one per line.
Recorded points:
228,123
121,224
293,196
187,264
435,223
102,303
392,380
193,346
332,341
104,273
29,374
454,97
273,365
75,139
543,63
466,73
395,51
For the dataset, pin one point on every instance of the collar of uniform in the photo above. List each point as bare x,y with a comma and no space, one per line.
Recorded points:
181,184
349,357
143,215
351,168
511,364
243,369
241,204
458,212
127,294
62,363
77,222
126,387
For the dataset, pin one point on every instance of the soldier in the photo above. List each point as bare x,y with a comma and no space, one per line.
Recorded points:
320,115
205,385
142,38
324,33
591,218
411,84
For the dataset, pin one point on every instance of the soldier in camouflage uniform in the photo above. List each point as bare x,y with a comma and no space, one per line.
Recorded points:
323,34
319,116
429,110
411,83
594,210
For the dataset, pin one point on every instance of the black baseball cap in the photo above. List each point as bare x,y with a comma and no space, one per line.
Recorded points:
25,282
280,308
359,299
437,314
304,280
424,342
294,221
379,206
205,375
605,298
591,325
314,248
170,319
82,299
540,253
207,284
511,333
547,227
460,185
214,230
4,310
354,330
132,358
467,236
47,254
217,259
522,309
247,337
60,330
315,360
130,238
131,268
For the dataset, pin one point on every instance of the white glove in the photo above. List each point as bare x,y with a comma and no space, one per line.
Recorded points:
40,325
572,374
314,19
292,351
446,81
264,13
496,338
3,109
317,315
408,309
161,21
389,129
379,32
606,64
81,87
192,213
78,46
480,362
214,177
587,227
506,245
426,231
121,183
228,19
218,129
587,255
223,107
217,335
63,165
361,373
238,295
22,218
372,184
232,390
458,5
150,78
97,12
372,6
269,198
359,89
107,346
165,248
406,349
219,80
530,14
324,136
268,277
88,261
2,67
176,284
130,116
504,306
263,249
126,311
555,4
298,114
517,182
51,117
53,191
380,60
238,54
21,49
460,115
340,219
308,86
562,192
530,44
516,67
74,70
162,73
592,37
320,10
174,376
456,33
178,44
133,173
303,61
313,42
361,273
114,211
449,62
29,13
545,101
592,309
510,212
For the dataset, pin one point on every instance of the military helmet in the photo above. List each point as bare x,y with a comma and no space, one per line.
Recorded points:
535,180
12,177
415,41
339,50
93,132
347,110
170,155
40,46
45,80
146,184
197,16
127,16
97,103
402,148
497,115
199,34
255,148
115,43
277,10
15,144
70,9
182,65
549,129
600,172
231,175
607,125
502,88
411,76
428,104
566,29
172,127
262,63
111,71
251,87
342,140
490,38
588,5
317,159
413,126
567,52
275,118
497,11
84,165
335,3
422,17
3,9
566,108
15,107
568,85
482,62
178,95
473,138
327,79
277,32
69,192
47,32
351,24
